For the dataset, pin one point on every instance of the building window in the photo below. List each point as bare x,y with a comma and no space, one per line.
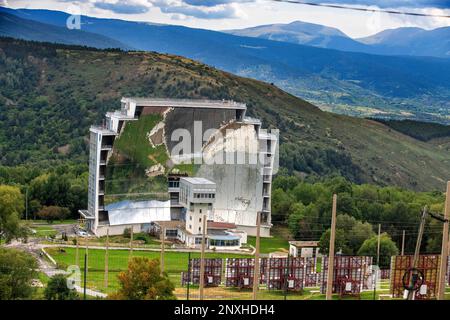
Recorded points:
172,233
199,219
190,226
198,240
224,243
199,229
200,210
190,218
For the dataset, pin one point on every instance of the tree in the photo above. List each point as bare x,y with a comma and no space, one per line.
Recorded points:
281,202
57,289
355,232
143,281
17,269
52,213
359,233
387,249
339,243
11,208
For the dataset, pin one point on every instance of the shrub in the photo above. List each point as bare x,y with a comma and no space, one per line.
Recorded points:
52,213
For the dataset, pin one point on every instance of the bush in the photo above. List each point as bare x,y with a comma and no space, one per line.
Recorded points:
127,233
52,213
57,289
143,237
17,269
143,281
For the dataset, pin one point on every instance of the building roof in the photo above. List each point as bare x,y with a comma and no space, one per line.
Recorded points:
220,225
137,212
198,180
223,237
304,244
172,224
185,103
86,214
103,130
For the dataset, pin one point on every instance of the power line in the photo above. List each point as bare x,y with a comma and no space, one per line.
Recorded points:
373,10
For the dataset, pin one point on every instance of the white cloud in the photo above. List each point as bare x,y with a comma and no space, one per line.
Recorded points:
4,3
176,9
124,6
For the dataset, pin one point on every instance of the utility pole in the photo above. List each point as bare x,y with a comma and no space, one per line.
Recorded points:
26,204
286,277
256,271
106,258
329,291
85,275
189,275
378,263
202,258
77,259
131,243
163,234
403,243
417,251
445,247
86,257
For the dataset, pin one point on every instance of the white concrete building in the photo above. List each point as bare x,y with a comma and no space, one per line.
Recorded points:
241,190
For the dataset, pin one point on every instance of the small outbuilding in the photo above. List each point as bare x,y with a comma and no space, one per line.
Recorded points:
305,249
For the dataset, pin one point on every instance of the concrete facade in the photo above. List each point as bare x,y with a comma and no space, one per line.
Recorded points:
241,190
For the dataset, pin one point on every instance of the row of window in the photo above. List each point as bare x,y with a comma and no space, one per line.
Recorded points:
223,243
174,184
204,195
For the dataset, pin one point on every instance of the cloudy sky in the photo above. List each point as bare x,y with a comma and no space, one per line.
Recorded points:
233,14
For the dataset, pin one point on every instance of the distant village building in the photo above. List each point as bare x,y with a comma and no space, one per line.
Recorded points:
304,249
230,195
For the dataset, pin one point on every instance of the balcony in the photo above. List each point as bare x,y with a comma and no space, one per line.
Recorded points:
106,147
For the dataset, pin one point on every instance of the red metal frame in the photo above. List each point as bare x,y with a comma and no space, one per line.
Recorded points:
349,274
213,272
311,276
428,264
385,274
285,273
239,272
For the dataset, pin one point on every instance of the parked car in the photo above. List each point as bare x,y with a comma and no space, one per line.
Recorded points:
82,233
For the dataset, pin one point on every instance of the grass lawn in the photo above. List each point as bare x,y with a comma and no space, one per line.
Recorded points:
38,221
268,245
44,231
120,240
175,263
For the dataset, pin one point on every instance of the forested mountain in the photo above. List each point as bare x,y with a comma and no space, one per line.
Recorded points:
344,82
50,95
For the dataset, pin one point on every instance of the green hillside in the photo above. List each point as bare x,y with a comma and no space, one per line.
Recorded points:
51,94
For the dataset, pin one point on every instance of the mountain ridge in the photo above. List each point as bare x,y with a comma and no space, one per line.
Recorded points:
349,83
11,25
40,100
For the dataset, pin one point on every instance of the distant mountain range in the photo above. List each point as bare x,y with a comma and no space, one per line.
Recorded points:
14,26
299,32
401,41
411,41
345,82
